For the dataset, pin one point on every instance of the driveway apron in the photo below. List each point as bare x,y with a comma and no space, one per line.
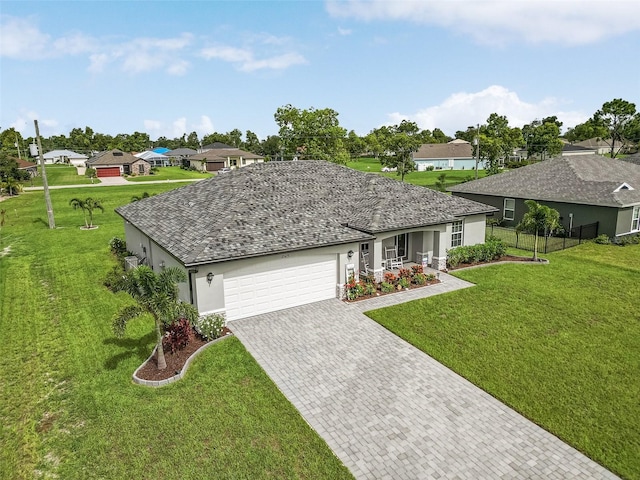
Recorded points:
388,410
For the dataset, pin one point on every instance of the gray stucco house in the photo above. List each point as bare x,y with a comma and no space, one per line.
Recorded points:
584,189
455,155
281,234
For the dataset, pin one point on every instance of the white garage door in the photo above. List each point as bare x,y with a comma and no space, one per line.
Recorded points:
275,284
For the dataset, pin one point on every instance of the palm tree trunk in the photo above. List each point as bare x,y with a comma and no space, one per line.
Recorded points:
535,248
162,363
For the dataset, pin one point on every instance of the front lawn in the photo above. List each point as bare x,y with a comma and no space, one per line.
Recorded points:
170,173
560,343
68,406
425,179
59,175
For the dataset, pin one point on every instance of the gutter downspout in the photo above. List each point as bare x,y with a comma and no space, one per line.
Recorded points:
190,272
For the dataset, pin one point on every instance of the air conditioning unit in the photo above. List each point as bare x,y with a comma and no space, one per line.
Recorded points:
130,262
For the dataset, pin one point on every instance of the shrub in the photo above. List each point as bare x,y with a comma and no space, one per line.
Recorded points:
114,279
491,250
118,246
387,287
90,173
420,279
390,278
210,326
404,282
370,288
177,335
430,277
602,239
404,273
415,269
628,240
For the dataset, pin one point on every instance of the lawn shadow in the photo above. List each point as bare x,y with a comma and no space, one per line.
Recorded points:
42,221
134,347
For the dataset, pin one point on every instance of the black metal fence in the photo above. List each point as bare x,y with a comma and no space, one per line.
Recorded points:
546,243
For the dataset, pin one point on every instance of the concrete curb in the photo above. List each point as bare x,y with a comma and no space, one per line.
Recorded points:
175,378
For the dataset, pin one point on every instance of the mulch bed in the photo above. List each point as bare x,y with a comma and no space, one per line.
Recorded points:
380,294
175,361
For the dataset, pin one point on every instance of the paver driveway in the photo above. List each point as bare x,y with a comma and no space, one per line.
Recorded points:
389,411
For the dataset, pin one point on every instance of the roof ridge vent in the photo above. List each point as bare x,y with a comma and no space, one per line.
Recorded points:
624,186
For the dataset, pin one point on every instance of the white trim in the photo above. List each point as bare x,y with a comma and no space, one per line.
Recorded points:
624,186
454,233
635,218
505,209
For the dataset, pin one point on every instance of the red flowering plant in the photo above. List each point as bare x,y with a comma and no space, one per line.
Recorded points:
417,269
390,278
404,273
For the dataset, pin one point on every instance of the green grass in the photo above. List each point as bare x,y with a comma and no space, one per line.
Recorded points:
68,406
59,175
425,179
560,343
170,173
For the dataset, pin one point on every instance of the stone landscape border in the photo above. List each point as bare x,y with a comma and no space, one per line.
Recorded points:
175,378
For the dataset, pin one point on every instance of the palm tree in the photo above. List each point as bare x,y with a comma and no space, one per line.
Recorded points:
137,198
88,205
539,217
157,295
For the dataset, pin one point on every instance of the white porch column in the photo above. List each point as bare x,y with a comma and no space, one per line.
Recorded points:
377,260
441,243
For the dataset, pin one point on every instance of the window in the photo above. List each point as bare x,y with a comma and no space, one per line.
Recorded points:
456,234
141,168
635,219
402,243
509,209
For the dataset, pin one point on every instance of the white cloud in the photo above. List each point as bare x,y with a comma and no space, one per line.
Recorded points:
344,31
566,22
247,60
24,124
463,109
20,39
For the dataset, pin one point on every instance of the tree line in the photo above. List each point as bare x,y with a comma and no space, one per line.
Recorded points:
317,134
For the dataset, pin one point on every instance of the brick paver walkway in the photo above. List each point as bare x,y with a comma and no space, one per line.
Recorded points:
389,411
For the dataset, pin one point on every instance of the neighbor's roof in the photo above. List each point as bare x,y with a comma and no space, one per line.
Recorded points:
113,157
24,164
589,179
151,154
64,153
444,150
178,152
635,158
284,206
218,154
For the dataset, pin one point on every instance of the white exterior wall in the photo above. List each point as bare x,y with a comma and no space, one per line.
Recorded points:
474,229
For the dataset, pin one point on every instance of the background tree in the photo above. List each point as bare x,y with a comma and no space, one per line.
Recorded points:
400,142
615,116
270,147
538,218
542,138
88,205
252,142
373,144
585,131
311,134
498,142
356,146
10,140
157,295
10,176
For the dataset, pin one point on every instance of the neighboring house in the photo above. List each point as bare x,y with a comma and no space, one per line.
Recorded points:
584,190
635,158
27,166
570,150
179,156
455,155
600,146
214,159
154,159
114,163
281,234
65,156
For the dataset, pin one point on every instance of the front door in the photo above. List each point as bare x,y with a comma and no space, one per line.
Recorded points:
402,244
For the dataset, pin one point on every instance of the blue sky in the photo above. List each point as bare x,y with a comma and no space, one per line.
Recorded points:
168,68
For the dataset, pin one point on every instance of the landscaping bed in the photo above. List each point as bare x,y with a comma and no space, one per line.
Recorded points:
175,361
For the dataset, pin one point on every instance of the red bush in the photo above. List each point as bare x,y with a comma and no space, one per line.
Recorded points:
177,335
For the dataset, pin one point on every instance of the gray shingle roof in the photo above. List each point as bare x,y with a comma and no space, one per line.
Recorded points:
443,150
588,179
112,157
283,206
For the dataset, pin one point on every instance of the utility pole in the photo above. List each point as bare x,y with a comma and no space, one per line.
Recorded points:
45,184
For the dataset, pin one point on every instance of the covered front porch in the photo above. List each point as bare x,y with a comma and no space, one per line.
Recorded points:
402,249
